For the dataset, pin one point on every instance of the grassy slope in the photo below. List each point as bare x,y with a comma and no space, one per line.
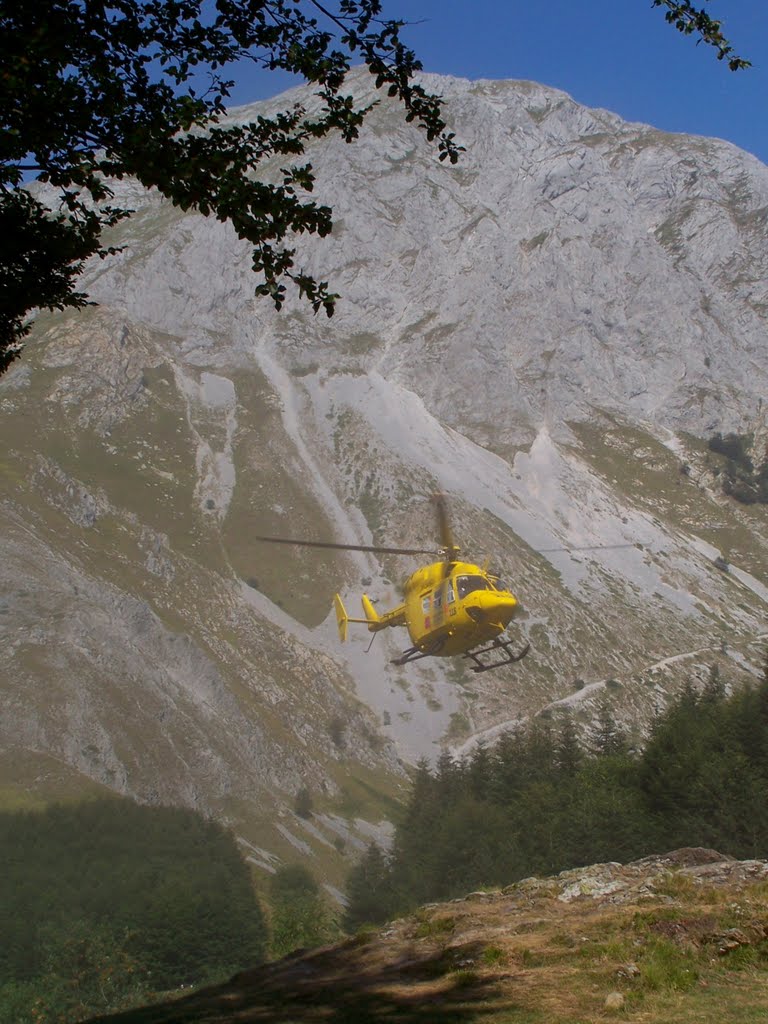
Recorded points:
680,949
650,475
139,475
143,477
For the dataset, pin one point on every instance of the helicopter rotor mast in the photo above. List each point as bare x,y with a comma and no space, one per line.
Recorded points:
449,549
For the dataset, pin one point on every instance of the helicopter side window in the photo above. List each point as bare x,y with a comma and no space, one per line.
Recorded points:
438,598
425,604
451,595
468,584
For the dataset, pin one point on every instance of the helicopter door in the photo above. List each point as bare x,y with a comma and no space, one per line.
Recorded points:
450,599
426,607
438,611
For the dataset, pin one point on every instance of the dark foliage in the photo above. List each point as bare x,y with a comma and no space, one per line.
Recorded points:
692,20
300,915
734,447
91,92
303,804
105,901
537,803
739,477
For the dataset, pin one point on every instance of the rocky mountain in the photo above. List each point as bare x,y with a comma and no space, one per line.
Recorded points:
548,332
680,937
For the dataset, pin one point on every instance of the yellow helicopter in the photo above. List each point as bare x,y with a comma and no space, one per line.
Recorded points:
450,608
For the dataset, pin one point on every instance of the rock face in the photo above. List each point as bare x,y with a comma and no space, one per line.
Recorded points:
545,332
647,878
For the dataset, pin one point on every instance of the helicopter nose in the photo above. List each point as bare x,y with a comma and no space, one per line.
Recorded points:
506,606
492,606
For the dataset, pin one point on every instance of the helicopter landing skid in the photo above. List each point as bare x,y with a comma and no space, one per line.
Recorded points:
414,654
497,645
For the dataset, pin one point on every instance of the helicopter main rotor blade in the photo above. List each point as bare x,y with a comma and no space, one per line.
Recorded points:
345,547
587,547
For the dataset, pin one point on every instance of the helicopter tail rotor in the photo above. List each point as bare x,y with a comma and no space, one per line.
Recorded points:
341,617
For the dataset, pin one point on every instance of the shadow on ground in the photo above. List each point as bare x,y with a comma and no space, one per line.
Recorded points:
348,984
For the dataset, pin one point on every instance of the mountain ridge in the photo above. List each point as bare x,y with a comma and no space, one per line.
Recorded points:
547,332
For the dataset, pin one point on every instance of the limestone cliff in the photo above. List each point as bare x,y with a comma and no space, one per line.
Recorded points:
547,332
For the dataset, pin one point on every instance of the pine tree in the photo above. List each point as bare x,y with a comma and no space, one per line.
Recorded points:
714,688
447,777
369,891
413,849
303,804
506,767
609,737
478,772
568,752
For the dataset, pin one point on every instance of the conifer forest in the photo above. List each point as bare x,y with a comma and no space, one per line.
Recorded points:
539,802
112,904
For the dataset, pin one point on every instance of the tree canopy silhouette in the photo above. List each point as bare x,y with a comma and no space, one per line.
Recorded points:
692,20
94,90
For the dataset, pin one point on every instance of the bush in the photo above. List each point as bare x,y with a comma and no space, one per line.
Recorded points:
733,447
300,916
303,804
739,478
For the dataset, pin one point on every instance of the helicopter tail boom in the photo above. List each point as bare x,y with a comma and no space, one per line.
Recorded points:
372,619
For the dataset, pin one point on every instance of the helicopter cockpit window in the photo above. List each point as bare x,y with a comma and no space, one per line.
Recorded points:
468,584
499,584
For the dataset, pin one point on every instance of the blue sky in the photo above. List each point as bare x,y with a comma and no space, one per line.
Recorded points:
616,54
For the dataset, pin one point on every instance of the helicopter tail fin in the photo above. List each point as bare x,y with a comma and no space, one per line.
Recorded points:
372,618
371,615
341,617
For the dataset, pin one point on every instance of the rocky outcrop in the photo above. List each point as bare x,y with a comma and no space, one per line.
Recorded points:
649,878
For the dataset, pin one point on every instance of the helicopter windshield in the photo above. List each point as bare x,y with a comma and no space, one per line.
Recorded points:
467,584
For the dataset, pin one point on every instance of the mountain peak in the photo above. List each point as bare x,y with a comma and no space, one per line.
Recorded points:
548,332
